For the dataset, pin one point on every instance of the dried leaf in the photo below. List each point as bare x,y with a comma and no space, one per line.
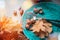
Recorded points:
42,28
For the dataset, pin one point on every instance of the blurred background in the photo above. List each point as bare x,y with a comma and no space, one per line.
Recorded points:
7,6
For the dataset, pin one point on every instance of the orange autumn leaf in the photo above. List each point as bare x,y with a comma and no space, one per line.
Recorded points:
1,24
8,25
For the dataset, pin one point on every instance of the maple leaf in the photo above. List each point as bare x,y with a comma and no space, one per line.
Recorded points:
42,27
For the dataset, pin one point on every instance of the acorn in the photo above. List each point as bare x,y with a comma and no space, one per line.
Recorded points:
36,10
28,21
27,26
33,21
40,10
15,13
21,12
